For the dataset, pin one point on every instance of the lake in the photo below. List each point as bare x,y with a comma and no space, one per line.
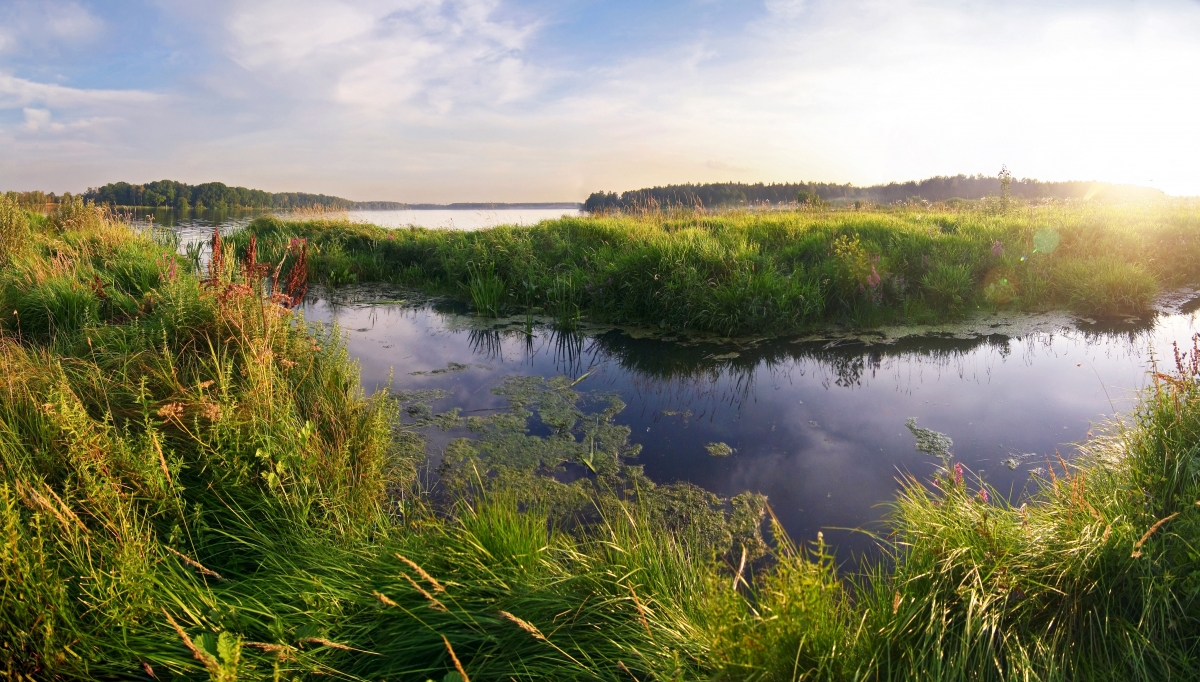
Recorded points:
817,425
193,225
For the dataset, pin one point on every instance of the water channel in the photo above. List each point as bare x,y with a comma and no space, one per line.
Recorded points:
815,424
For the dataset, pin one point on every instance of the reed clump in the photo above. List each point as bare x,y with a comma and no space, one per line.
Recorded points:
776,272
193,485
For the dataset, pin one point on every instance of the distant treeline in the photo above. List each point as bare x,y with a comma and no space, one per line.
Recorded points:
941,188
36,200
210,195
219,196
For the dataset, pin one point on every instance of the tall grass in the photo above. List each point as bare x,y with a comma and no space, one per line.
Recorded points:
192,485
749,273
14,228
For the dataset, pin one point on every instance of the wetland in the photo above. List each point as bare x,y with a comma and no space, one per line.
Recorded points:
822,445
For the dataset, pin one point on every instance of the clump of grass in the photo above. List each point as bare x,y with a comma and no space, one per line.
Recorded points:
749,272
950,287
1108,286
1093,577
487,291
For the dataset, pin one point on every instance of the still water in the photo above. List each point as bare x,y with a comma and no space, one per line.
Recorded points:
193,225
461,219
817,426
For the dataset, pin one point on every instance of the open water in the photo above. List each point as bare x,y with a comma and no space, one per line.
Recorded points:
817,425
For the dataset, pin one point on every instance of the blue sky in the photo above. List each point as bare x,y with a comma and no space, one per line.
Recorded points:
534,100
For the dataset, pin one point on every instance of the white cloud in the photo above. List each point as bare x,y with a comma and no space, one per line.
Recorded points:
432,100
872,91
36,118
383,57
41,24
20,92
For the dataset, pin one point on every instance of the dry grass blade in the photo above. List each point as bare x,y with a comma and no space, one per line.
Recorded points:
1137,548
334,645
741,569
641,611
61,512
267,647
433,602
524,625
384,598
193,563
209,661
437,587
457,664
162,460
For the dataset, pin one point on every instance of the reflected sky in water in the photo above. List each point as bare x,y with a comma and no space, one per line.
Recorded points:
819,430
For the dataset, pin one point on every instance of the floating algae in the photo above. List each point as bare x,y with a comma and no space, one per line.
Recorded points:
931,442
719,449
450,367
583,444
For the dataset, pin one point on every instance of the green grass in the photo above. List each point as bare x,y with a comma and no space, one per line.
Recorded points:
192,483
747,273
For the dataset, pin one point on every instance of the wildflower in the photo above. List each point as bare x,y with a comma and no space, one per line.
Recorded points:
211,411
982,496
958,473
997,248
874,278
170,410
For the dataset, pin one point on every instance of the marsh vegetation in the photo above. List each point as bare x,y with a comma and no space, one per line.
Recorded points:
194,485
744,273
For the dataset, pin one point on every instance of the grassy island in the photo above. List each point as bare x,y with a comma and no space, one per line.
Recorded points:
193,485
742,273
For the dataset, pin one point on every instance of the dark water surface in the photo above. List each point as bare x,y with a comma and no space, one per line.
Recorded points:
820,430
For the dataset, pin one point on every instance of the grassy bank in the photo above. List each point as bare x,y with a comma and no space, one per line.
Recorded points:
778,272
192,484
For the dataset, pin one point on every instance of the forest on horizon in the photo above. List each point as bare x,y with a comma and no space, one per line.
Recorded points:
938,188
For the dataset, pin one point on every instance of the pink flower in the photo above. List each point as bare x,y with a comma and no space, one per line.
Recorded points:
873,278
982,496
958,474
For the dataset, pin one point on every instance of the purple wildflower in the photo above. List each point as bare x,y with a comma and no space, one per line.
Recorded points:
982,496
873,278
958,474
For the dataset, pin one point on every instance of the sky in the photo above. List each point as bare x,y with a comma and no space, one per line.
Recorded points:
550,100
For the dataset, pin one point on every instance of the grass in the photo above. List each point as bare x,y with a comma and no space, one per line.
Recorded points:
745,273
192,485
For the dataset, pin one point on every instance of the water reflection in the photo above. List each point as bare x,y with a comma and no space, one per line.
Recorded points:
817,427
